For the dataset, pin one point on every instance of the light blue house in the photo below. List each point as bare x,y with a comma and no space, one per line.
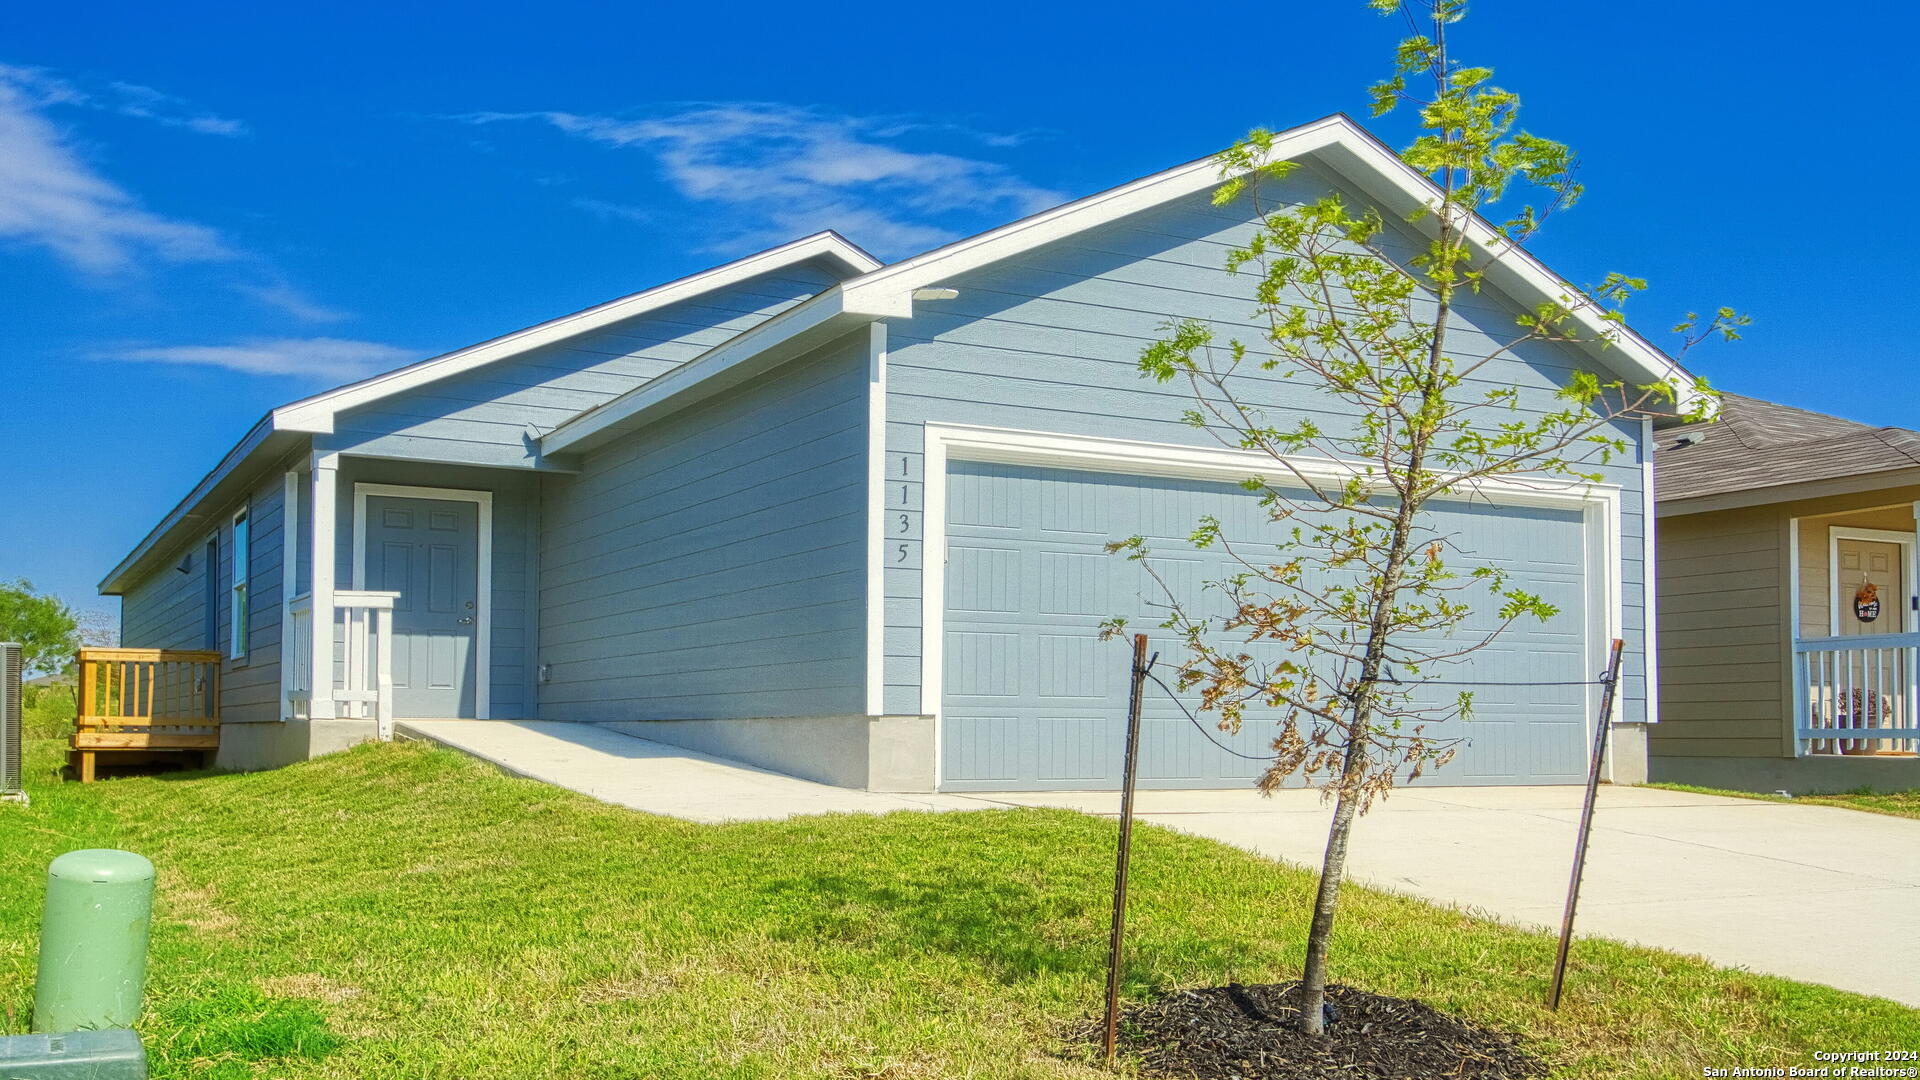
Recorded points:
841,519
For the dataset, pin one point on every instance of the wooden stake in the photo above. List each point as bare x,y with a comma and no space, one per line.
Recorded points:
1125,848
1612,680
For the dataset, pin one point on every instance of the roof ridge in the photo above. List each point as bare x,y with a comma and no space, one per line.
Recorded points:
1908,435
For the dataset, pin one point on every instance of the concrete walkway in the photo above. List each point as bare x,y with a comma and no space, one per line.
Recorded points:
1810,892
654,777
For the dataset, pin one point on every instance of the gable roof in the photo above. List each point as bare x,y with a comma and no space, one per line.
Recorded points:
1759,445
315,414
284,428
888,292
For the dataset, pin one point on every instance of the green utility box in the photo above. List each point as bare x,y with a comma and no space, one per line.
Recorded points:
93,941
114,1054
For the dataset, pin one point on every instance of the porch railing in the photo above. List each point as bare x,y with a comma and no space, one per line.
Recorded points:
1857,695
144,700
360,684
300,675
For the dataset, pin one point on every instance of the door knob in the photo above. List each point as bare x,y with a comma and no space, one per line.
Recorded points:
466,620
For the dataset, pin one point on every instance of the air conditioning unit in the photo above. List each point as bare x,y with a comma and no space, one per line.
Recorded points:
12,706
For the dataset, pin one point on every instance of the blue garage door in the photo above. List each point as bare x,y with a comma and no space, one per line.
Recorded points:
1032,699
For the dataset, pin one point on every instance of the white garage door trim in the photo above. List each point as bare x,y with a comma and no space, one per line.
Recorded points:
1599,504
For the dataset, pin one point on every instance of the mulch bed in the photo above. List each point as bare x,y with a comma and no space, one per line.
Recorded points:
1239,1032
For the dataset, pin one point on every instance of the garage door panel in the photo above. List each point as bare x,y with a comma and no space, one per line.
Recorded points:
993,575
1090,510
1070,666
1174,755
1033,698
1074,583
983,507
986,750
983,664
1071,750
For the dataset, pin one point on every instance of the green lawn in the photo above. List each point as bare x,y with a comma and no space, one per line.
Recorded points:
1896,803
397,911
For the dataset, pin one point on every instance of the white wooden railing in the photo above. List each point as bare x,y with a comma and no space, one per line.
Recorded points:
1857,695
361,633
300,659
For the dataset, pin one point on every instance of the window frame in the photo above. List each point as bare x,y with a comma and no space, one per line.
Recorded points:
239,585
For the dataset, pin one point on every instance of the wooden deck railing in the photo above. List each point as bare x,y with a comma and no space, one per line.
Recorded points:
146,700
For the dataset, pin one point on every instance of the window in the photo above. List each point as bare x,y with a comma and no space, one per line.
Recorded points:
237,610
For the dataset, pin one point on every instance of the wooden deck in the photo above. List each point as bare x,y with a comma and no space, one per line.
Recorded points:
145,701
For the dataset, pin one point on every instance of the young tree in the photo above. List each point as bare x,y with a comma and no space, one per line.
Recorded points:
45,628
1334,621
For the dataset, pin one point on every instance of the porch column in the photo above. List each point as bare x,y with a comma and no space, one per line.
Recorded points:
326,512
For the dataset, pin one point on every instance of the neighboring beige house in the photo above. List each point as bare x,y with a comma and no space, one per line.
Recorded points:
1786,602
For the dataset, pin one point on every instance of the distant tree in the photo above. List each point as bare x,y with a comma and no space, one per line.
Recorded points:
1333,619
47,630
98,629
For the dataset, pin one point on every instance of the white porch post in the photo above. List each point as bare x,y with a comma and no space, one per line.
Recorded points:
383,670
326,511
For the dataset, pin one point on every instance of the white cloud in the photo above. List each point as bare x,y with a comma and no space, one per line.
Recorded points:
124,98
52,199
321,359
782,170
279,294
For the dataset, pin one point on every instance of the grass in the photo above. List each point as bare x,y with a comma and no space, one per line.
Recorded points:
1896,803
399,911
48,712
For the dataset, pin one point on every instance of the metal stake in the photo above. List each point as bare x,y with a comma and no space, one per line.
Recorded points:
1125,849
1612,681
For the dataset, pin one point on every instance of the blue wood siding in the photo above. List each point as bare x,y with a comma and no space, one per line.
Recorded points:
495,414
167,609
1049,341
713,565
516,508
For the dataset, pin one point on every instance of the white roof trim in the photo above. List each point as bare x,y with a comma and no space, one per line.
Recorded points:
315,414
887,292
802,325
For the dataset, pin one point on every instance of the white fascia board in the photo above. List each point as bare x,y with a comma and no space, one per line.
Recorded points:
884,289
315,414
887,292
186,510
1512,266
782,337
1351,151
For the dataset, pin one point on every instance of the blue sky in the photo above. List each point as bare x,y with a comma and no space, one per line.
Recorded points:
207,210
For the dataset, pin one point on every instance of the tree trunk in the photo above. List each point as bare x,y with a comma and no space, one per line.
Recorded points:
1333,870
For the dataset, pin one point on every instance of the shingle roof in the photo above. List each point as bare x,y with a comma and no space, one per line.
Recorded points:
1759,444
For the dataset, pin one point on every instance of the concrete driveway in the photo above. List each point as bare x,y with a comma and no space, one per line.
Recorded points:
1810,892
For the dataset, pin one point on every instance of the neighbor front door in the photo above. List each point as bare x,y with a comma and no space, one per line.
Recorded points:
1882,609
428,551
